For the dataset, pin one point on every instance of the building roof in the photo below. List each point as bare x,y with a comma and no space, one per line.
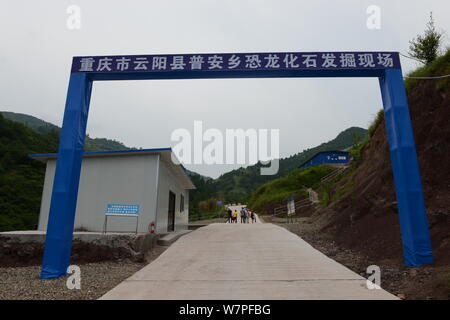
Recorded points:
166,157
317,153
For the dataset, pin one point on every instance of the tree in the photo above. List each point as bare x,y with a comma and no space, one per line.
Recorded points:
426,47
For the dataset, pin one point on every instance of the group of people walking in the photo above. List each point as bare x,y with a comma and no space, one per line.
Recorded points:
245,214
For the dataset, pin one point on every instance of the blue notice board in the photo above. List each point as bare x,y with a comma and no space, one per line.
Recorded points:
122,209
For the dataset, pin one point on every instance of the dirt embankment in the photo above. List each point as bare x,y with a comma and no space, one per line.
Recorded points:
365,221
30,254
20,250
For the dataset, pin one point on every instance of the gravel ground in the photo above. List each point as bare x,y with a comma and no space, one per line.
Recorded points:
23,283
420,283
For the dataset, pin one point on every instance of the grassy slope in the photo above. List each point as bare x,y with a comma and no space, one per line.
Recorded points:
439,67
296,181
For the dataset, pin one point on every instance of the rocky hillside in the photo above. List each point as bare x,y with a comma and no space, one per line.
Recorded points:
364,217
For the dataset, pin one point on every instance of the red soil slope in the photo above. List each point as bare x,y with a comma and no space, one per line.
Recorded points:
366,219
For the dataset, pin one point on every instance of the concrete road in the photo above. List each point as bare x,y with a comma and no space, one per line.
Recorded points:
244,261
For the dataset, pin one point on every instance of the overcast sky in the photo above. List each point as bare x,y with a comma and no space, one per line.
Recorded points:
37,48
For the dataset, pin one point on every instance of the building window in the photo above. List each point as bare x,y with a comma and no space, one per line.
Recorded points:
182,203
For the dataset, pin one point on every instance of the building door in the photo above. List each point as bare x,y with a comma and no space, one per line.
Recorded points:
171,212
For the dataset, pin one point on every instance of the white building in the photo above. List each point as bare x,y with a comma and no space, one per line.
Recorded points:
144,179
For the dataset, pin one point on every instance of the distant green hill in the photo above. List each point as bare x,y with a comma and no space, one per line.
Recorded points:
343,141
21,178
197,175
41,126
34,135
236,186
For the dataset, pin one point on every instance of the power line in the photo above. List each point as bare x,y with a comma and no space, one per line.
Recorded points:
422,78
412,58
428,78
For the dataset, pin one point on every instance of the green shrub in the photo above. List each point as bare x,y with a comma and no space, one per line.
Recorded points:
357,149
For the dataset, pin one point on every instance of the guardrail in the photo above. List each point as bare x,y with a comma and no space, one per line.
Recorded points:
313,197
333,174
206,216
298,204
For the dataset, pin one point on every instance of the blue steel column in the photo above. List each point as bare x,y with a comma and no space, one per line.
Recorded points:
58,242
411,205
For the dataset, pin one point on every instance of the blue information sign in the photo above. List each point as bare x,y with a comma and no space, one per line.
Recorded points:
122,209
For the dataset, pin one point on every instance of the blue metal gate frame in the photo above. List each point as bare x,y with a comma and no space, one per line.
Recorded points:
383,65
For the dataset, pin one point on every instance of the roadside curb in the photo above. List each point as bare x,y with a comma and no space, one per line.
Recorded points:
170,238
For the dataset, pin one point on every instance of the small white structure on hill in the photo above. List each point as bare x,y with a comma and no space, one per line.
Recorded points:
145,181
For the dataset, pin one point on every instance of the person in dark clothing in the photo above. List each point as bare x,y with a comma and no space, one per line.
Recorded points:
230,215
